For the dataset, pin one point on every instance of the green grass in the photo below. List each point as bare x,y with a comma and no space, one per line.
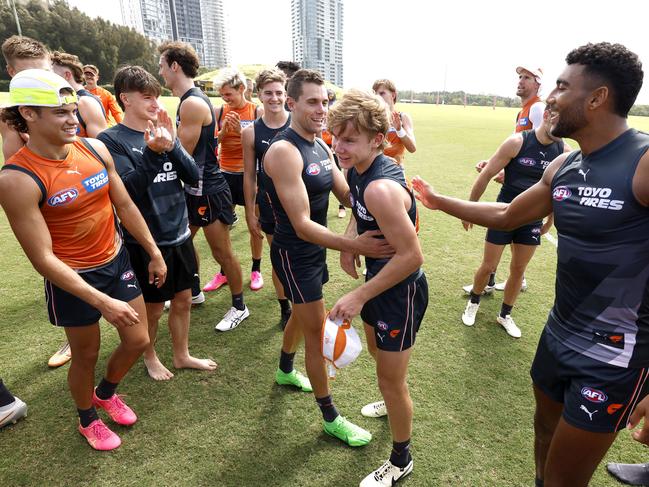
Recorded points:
234,427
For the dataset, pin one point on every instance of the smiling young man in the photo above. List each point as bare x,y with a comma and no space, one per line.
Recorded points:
299,175
231,119
154,172
394,297
209,202
256,139
61,195
112,109
592,360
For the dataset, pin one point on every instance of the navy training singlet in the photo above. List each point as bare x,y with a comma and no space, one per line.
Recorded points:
601,306
210,178
526,168
263,137
318,180
383,167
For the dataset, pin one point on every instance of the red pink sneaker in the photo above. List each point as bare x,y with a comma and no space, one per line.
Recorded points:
116,409
256,281
217,281
99,436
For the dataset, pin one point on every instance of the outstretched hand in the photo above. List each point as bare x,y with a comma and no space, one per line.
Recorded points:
425,193
641,411
376,248
158,139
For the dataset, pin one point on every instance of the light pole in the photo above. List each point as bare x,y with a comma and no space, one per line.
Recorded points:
12,5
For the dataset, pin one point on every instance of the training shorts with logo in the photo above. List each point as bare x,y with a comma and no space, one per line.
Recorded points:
235,182
266,217
396,313
116,278
525,235
301,270
206,209
181,267
596,396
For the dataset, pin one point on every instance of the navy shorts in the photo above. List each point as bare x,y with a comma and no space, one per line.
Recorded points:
117,279
525,235
205,210
235,182
396,313
596,396
266,216
181,267
302,271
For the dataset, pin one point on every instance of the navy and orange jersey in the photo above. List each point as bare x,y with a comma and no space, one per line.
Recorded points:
523,121
231,150
263,138
381,168
318,181
75,204
601,307
81,129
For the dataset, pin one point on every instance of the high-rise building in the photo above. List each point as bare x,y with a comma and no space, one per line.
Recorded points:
317,27
197,22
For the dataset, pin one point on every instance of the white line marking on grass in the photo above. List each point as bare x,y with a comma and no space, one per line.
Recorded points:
551,239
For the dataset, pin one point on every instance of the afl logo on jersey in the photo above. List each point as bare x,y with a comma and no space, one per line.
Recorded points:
127,276
313,169
64,197
561,193
382,325
527,161
593,395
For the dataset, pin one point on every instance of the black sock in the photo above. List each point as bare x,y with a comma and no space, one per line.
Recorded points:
221,271
105,389
475,298
286,362
196,285
284,305
5,395
400,456
341,207
87,416
237,301
505,310
492,279
256,265
538,482
329,411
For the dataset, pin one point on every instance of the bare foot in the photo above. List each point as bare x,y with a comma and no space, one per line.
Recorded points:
190,362
156,370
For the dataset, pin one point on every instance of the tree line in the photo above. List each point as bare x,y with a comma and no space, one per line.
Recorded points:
95,41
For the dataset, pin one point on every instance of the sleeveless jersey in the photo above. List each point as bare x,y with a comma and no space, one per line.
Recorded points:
318,180
231,150
523,121
382,168
395,148
76,205
263,138
526,168
81,129
601,307
210,178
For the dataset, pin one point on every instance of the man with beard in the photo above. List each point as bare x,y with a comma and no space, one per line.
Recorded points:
590,368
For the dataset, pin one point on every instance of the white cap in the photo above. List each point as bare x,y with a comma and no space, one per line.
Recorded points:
536,72
340,342
40,88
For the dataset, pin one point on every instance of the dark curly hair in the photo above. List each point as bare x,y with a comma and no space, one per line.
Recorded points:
12,117
615,66
183,53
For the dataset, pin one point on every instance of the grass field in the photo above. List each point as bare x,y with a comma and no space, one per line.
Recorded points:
234,427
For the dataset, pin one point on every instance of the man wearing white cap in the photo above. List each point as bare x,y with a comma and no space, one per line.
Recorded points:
529,84
60,195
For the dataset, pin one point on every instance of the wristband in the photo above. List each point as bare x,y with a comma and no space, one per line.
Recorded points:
401,133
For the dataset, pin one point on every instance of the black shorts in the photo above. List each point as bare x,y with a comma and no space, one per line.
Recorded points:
205,210
235,182
117,279
596,396
266,216
397,313
302,271
181,267
525,235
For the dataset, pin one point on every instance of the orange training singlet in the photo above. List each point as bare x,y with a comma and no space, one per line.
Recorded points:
395,148
76,205
230,148
523,121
